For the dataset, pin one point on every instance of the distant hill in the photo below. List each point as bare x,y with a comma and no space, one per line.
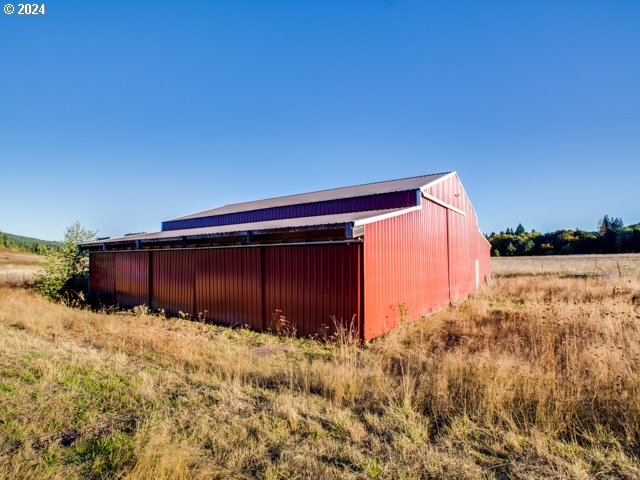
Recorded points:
26,244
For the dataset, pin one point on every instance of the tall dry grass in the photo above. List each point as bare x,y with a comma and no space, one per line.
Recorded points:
534,376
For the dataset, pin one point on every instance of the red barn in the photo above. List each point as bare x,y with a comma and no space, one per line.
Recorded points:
364,256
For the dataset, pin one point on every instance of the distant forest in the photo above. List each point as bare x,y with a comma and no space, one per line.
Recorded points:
611,237
26,244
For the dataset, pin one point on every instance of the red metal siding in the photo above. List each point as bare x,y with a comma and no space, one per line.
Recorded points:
228,286
484,252
132,278
461,264
311,284
467,243
308,284
173,281
102,271
422,260
405,264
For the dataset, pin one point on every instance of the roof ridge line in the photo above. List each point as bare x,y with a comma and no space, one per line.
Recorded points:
338,188
294,195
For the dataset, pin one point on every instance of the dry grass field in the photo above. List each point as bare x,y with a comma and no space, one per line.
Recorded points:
18,267
535,376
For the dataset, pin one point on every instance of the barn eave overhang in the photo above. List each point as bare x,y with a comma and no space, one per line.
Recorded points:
308,234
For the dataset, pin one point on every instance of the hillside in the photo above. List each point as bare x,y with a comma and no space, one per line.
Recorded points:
28,244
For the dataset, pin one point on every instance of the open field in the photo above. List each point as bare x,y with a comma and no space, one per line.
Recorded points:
18,267
535,376
626,265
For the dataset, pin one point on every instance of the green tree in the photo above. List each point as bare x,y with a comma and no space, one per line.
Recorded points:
529,246
66,269
604,225
611,237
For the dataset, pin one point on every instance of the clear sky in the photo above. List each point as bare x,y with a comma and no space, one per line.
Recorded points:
123,114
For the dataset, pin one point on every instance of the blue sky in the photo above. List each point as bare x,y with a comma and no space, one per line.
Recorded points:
123,114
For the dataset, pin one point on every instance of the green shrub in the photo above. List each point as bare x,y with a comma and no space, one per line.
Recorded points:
66,269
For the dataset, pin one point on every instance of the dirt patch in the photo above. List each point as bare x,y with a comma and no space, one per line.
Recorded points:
269,350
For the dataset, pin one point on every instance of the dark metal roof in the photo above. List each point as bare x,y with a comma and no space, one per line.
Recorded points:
271,225
403,184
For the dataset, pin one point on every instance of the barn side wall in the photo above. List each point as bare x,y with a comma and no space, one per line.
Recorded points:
307,285
423,260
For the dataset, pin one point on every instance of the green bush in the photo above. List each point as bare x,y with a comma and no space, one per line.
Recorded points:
66,270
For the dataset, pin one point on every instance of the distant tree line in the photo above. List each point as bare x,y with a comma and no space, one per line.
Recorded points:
19,243
611,237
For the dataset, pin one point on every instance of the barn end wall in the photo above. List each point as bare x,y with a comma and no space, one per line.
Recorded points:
423,260
308,285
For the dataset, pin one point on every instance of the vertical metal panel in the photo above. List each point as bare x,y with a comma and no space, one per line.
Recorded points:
328,207
102,271
132,278
468,244
405,267
173,281
228,286
484,254
461,261
311,284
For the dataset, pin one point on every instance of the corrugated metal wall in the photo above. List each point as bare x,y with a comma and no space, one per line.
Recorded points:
311,284
462,249
102,276
229,286
484,252
405,266
467,242
132,278
173,281
307,284
328,207
422,260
